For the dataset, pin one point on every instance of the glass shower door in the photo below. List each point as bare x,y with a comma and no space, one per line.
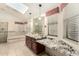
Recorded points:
3,31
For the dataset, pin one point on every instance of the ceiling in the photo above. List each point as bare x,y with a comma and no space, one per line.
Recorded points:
7,10
36,10
32,8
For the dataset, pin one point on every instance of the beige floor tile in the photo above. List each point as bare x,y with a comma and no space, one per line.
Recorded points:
15,47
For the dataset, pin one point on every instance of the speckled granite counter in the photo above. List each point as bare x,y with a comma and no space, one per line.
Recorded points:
37,37
48,43
54,46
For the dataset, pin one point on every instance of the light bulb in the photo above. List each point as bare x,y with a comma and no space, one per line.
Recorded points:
39,18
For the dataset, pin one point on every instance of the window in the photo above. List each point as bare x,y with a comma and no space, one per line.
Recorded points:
52,25
71,22
18,7
72,28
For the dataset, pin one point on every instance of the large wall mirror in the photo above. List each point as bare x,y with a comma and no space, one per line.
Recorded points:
53,25
38,25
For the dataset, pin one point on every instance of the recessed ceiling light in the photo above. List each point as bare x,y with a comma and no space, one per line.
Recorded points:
18,7
30,13
40,5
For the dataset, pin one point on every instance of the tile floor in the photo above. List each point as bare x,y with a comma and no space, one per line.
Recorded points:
16,47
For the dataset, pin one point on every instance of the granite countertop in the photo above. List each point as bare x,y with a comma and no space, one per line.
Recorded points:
59,45
36,36
48,43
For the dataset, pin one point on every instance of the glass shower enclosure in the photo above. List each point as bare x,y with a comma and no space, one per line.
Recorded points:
3,31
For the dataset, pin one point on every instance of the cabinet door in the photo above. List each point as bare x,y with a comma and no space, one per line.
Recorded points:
37,48
34,47
29,43
26,42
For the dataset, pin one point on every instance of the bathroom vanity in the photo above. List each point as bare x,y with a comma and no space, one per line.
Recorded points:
51,46
31,42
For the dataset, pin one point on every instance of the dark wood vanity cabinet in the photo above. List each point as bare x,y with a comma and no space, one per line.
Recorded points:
33,45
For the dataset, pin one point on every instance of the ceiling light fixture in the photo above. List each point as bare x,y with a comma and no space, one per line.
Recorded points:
30,15
40,5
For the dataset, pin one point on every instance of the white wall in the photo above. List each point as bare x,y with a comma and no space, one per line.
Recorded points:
71,10
11,19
